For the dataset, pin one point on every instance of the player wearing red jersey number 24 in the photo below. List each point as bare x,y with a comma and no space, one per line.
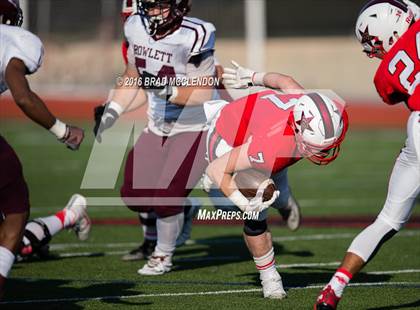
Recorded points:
388,30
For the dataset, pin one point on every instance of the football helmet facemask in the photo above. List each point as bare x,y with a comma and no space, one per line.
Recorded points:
10,13
380,24
320,127
161,17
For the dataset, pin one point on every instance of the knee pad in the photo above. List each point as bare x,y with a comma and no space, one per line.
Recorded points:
255,228
147,219
37,246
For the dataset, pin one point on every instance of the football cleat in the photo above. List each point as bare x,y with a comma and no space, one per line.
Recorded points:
327,300
185,234
82,225
273,287
142,252
291,214
156,265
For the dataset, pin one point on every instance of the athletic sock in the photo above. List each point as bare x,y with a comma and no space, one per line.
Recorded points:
54,224
148,222
7,258
266,264
339,281
168,229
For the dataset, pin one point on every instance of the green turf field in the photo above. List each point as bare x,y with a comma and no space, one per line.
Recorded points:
215,271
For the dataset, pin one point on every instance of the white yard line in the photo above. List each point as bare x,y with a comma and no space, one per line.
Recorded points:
228,258
319,237
394,271
103,203
284,266
202,293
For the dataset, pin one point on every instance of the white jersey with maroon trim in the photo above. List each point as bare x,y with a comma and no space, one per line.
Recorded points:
168,57
16,42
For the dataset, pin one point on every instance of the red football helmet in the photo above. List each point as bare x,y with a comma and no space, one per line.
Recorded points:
162,17
10,13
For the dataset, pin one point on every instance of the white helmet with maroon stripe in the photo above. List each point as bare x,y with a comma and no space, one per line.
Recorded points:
320,126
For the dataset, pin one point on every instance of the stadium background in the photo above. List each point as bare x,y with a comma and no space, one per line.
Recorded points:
311,40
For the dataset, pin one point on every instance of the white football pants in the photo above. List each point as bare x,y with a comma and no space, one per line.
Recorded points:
403,189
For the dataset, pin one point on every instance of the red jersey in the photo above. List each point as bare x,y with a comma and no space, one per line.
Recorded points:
261,118
398,75
124,50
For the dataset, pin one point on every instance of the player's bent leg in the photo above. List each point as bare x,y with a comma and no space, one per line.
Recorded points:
191,208
148,152
260,245
35,240
148,222
404,187
38,232
160,261
286,204
11,233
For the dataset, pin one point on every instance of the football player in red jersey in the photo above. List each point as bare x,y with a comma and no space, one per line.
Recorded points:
388,30
268,131
21,54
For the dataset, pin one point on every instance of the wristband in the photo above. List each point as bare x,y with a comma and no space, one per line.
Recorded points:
258,79
58,129
174,93
239,200
116,107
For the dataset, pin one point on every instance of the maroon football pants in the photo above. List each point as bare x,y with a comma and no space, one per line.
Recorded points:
160,172
14,194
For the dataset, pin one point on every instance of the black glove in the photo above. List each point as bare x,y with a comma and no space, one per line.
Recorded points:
105,117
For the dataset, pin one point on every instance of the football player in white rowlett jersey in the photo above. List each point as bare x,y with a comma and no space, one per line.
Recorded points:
163,42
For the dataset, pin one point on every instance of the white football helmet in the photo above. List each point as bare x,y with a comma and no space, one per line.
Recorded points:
381,23
320,126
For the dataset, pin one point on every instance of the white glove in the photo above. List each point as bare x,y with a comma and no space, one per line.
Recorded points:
256,204
206,183
241,78
414,8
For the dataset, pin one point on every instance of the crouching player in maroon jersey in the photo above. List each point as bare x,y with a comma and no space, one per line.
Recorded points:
387,30
268,131
21,54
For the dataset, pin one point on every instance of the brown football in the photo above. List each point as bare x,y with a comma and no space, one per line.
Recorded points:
248,182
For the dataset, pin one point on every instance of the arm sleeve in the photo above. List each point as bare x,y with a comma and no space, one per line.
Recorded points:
128,26
28,48
205,40
414,100
205,66
386,91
